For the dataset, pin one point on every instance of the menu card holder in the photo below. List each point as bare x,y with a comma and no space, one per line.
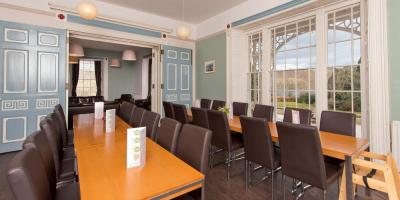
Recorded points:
295,117
136,147
110,120
98,110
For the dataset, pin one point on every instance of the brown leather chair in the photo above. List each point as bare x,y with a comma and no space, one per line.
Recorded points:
258,147
200,117
264,111
181,113
338,122
150,121
205,103
223,138
302,158
167,134
193,148
67,135
168,109
305,115
28,179
217,104
125,110
65,168
67,152
136,117
239,108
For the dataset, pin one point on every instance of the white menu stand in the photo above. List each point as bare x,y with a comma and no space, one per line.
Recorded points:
110,120
136,147
98,110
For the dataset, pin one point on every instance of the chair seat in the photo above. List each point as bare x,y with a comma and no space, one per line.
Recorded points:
67,170
237,140
69,153
68,192
333,172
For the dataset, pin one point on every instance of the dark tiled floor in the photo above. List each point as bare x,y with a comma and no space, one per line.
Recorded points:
219,188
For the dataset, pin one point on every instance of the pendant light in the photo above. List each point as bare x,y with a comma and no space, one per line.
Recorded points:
129,55
76,50
183,32
115,62
87,10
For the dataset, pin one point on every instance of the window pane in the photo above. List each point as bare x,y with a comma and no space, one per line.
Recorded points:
303,56
343,78
279,80
356,78
280,61
291,59
290,99
343,101
280,94
290,77
357,102
291,39
303,99
302,79
304,36
331,55
313,57
343,53
357,52
312,79
330,100
330,78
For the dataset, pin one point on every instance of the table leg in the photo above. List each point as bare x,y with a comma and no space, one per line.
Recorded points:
203,191
349,178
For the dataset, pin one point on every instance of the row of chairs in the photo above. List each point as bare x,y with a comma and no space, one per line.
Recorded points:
139,117
45,168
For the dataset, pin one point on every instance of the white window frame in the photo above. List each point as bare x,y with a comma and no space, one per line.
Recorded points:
259,73
82,79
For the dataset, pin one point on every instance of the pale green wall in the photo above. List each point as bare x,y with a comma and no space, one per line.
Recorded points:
212,86
394,57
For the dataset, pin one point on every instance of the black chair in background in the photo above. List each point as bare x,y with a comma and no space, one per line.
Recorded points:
338,122
217,104
302,158
264,111
258,148
167,134
205,103
168,109
28,179
150,121
125,111
304,114
136,117
222,137
126,98
193,148
199,117
67,135
181,113
239,108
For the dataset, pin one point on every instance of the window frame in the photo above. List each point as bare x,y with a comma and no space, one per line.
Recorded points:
81,93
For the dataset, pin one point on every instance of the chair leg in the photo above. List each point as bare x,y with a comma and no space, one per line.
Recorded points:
283,185
229,165
272,183
325,197
246,169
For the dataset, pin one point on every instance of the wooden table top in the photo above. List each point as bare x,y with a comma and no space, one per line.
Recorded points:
102,168
333,145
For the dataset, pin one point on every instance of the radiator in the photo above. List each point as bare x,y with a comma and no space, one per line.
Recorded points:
396,141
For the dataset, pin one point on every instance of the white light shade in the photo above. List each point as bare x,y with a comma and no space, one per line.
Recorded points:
114,62
129,55
183,32
76,50
87,10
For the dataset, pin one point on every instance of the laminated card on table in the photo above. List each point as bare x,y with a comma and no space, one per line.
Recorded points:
98,110
136,147
110,120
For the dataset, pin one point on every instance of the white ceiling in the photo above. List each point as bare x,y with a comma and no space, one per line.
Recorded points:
195,10
106,46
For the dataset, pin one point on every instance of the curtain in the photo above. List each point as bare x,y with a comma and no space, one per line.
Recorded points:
75,78
97,72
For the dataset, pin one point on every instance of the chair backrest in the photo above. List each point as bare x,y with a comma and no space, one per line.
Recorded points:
167,134
219,126
239,108
125,110
136,117
258,146
193,146
338,122
47,127
168,109
181,113
126,97
205,103
38,140
301,153
150,121
59,113
217,104
264,111
200,117
27,177
305,115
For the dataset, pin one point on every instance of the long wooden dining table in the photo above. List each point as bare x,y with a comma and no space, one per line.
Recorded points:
102,171
333,145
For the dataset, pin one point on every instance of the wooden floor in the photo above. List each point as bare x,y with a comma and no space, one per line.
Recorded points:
219,188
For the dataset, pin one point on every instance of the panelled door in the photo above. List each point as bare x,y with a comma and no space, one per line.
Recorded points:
32,79
177,75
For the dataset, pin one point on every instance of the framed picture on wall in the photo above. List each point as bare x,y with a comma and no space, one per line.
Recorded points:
209,66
